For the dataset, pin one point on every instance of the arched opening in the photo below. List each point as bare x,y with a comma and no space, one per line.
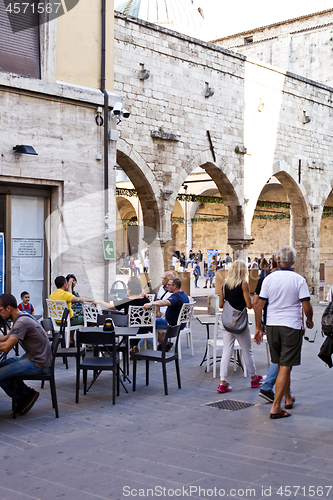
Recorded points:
127,228
146,188
139,232
326,244
270,225
212,207
281,218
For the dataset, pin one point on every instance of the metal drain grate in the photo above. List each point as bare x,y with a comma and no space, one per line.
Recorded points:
230,404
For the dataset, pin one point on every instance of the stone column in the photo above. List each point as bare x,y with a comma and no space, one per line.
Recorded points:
307,246
240,248
156,263
141,242
188,245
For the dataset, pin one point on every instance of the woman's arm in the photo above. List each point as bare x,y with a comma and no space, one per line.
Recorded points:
221,298
105,304
246,294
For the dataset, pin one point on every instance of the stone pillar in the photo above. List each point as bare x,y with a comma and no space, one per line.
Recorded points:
141,242
307,246
188,245
156,263
240,248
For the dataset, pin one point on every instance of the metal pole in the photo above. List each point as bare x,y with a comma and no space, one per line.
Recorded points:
106,147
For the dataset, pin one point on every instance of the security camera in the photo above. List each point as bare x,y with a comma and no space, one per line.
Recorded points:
117,108
125,113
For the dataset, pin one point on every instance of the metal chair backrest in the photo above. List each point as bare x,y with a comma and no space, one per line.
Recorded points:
55,309
150,296
186,313
48,327
118,319
90,313
96,338
171,333
138,316
64,322
55,345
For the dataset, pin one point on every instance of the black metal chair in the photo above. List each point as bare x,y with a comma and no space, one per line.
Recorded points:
63,352
3,331
43,378
106,341
162,356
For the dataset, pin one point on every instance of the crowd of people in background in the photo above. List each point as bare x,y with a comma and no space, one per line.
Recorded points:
133,264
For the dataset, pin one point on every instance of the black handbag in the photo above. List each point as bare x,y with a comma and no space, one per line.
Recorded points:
327,320
326,350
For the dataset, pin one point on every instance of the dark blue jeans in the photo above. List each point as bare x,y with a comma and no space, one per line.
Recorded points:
17,365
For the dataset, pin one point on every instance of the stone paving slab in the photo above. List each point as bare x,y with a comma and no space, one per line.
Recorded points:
154,446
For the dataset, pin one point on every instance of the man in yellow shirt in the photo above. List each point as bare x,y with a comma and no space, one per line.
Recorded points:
61,293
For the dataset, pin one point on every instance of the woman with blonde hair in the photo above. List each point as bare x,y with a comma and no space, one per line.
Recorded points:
237,293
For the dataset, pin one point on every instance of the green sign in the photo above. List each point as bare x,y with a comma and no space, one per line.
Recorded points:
108,249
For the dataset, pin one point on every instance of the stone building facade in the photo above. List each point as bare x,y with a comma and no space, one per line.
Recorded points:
53,204
251,128
303,45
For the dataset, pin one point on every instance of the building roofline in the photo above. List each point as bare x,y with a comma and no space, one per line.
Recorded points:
222,50
260,28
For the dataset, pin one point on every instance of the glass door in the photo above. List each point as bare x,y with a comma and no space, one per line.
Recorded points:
27,248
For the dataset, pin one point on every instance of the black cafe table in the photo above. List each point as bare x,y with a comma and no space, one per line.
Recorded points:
120,331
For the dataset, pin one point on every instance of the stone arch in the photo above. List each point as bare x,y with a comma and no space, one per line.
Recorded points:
231,192
127,236
203,192
178,209
145,185
326,231
301,231
300,220
126,208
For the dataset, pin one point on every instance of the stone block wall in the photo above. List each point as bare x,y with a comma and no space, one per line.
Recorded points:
254,106
302,46
64,133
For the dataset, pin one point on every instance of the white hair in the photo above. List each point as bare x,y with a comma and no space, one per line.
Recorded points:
286,255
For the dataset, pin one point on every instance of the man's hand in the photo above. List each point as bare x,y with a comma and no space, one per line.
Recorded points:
258,336
307,308
309,323
148,305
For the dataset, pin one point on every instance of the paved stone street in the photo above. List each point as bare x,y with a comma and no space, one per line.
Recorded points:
149,441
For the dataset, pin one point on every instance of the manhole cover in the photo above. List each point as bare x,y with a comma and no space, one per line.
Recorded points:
230,404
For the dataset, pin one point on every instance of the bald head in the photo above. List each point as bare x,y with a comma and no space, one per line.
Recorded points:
168,275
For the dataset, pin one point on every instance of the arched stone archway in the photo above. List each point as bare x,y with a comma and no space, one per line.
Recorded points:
125,208
304,227
127,235
145,185
153,210
300,233
232,195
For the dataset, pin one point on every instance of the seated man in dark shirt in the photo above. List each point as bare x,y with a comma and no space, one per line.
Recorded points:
174,304
36,360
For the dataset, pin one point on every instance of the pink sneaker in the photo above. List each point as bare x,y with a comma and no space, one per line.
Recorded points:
224,388
256,382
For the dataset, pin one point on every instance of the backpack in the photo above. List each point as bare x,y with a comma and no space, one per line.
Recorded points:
327,320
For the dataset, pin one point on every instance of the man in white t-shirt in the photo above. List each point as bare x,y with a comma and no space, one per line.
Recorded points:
287,296
163,293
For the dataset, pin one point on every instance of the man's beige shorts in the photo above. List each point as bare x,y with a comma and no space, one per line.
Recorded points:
285,345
